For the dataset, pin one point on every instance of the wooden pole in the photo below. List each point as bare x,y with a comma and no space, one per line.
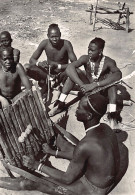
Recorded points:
95,12
127,19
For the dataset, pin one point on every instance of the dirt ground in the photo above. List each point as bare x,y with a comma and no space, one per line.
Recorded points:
28,20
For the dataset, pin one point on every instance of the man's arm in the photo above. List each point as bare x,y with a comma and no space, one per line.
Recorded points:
115,74
23,76
71,57
72,72
37,53
4,102
74,170
68,154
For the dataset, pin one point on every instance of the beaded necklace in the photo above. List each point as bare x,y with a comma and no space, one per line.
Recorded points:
92,65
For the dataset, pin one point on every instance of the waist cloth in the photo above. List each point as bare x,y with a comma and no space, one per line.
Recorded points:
94,190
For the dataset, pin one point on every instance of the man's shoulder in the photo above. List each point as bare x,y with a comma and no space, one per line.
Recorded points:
108,59
66,42
19,65
85,142
44,42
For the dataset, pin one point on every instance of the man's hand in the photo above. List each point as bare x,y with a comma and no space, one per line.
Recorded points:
43,64
4,102
30,162
47,149
88,87
54,69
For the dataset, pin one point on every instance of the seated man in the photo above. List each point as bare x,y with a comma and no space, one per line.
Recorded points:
100,71
12,75
95,160
58,52
5,41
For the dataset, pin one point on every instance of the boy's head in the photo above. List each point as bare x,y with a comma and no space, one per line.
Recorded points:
91,107
95,48
6,58
54,34
5,39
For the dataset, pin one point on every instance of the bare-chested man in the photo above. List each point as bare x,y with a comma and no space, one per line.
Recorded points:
12,75
95,160
58,52
100,71
5,41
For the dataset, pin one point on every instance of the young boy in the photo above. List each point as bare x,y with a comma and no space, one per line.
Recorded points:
58,53
5,41
11,77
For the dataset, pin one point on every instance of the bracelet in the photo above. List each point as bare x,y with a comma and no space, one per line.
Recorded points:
98,84
59,66
56,154
39,167
37,62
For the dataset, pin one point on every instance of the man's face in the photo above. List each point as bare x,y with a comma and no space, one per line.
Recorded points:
93,51
7,60
81,111
54,36
5,41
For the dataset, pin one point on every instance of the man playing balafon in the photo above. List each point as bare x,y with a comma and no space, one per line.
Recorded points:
95,160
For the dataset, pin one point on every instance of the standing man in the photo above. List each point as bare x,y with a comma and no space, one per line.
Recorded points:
58,52
100,71
95,160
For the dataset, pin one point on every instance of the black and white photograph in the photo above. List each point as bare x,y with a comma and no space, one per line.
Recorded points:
67,98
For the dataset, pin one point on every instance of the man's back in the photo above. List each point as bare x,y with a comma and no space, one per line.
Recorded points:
102,156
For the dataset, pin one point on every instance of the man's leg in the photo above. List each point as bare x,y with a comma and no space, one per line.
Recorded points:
35,72
59,105
48,186
113,112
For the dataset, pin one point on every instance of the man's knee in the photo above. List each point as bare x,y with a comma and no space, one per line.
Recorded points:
27,185
26,67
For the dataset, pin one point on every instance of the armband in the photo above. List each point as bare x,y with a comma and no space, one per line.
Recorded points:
111,107
98,84
59,66
39,167
37,62
56,154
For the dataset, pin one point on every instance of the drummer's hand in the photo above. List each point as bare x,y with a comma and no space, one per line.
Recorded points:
30,162
4,102
47,149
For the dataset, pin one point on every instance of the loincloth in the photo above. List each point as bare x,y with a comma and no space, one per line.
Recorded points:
94,190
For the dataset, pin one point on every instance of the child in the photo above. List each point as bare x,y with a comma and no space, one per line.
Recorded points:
11,77
5,41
